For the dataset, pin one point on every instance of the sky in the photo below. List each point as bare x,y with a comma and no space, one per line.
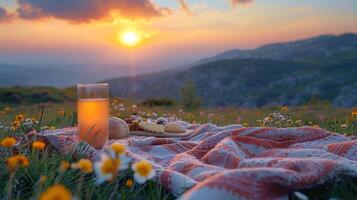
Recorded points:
169,33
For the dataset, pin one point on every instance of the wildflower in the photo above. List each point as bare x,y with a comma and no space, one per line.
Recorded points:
28,123
16,124
354,112
298,122
143,171
245,124
107,168
16,161
56,192
60,113
64,166
43,128
7,109
8,142
134,107
343,125
19,118
84,165
34,120
285,109
117,150
129,183
43,179
52,128
38,145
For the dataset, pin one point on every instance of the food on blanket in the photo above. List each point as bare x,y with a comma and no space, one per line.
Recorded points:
151,127
173,127
118,128
162,120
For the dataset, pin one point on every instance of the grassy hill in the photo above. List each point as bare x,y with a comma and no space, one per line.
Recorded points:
25,95
251,82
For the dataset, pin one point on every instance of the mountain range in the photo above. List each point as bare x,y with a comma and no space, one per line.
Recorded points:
291,73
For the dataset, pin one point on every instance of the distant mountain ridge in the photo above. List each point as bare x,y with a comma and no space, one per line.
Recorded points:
319,47
285,74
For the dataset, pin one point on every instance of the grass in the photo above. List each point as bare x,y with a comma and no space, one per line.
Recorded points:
27,183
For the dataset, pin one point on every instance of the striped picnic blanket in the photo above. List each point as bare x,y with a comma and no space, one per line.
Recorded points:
234,162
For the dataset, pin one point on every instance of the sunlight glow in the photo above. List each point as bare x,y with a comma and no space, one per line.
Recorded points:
130,38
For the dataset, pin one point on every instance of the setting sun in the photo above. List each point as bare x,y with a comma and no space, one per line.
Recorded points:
130,38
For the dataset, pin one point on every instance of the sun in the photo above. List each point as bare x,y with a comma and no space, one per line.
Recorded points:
130,38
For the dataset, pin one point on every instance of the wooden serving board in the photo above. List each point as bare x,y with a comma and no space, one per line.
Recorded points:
162,135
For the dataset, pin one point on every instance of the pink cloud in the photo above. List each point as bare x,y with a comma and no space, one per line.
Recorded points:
236,2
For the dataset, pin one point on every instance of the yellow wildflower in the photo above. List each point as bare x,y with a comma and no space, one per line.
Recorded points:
343,125
117,149
285,109
129,183
56,192
19,118
60,112
16,161
7,109
8,142
34,120
16,124
107,168
143,171
43,179
64,166
38,145
245,124
84,165
52,128
354,112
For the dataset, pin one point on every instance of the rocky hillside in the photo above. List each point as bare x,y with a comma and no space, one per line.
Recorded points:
286,74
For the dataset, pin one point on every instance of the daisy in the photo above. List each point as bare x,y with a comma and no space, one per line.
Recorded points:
107,168
117,150
143,171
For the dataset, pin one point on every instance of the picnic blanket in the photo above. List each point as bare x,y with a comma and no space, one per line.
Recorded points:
234,162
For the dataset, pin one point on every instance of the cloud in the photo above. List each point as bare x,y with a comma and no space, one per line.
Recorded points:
236,2
5,15
87,10
185,7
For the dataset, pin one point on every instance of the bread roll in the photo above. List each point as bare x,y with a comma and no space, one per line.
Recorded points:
173,127
118,128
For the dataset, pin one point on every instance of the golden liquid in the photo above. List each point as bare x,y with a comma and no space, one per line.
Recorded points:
93,121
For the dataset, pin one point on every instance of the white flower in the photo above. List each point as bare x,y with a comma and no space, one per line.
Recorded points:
108,168
117,150
143,171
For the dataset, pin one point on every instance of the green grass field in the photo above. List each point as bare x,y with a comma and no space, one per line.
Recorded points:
26,182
